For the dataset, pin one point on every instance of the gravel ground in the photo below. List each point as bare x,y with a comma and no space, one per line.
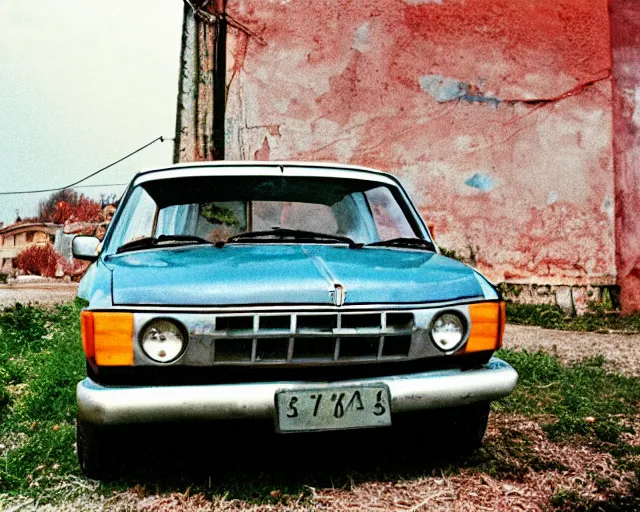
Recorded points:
45,292
622,351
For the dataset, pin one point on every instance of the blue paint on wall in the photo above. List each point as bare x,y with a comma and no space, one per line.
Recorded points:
482,182
441,88
362,38
480,98
445,89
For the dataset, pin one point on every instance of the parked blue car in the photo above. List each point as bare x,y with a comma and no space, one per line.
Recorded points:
309,294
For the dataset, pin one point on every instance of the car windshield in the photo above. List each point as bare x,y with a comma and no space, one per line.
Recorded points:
216,209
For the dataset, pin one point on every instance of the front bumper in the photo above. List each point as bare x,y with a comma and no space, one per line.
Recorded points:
110,405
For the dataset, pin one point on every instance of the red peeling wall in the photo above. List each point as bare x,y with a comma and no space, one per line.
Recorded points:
496,115
625,42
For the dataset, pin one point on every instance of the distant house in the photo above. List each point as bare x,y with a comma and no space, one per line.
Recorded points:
17,237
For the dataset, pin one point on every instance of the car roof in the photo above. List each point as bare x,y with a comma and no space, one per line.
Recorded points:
250,168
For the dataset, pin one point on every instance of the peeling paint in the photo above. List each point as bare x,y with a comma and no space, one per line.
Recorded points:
480,181
264,151
361,38
283,105
635,118
463,142
442,88
445,89
608,208
414,102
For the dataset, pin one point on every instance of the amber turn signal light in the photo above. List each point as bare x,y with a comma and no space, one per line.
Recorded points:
487,326
107,338
86,325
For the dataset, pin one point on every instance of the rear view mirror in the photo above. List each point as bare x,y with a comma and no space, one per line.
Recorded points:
85,247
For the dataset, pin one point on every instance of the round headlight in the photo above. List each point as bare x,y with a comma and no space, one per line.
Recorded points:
447,331
162,341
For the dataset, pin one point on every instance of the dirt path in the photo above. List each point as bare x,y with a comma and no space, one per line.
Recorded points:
621,350
45,292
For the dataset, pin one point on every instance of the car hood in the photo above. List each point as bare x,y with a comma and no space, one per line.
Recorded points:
286,274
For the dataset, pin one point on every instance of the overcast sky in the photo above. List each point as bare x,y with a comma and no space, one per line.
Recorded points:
82,83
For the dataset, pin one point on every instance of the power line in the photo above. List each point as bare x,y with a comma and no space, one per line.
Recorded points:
102,185
161,139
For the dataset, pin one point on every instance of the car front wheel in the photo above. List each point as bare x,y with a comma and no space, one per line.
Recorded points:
459,430
469,425
95,450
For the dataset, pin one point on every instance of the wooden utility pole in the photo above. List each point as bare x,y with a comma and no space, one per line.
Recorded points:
202,91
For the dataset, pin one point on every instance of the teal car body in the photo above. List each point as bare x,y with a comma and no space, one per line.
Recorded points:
228,291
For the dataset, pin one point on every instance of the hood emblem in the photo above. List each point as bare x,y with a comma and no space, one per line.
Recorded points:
338,294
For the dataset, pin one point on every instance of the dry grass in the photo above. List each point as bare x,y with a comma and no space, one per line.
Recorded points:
541,453
519,468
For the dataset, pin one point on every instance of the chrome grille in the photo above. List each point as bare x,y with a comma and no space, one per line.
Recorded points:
299,338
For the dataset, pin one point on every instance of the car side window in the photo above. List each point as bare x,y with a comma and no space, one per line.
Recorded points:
137,218
389,218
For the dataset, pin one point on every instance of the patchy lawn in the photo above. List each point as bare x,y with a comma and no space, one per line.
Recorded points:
566,439
598,318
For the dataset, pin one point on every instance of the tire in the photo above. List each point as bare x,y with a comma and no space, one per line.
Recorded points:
443,432
469,425
95,451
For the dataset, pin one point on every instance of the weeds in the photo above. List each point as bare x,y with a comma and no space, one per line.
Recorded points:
512,457
23,329
41,360
450,253
567,500
552,317
582,404
583,398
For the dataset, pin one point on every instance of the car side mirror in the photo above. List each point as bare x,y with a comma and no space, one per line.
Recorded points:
85,247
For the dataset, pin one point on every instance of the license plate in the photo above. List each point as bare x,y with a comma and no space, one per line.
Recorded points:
333,408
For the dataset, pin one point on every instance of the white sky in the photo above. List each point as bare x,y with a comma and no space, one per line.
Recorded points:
82,83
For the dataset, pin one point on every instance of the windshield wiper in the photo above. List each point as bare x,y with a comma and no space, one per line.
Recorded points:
405,242
297,234
180,238
148,242
133,245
